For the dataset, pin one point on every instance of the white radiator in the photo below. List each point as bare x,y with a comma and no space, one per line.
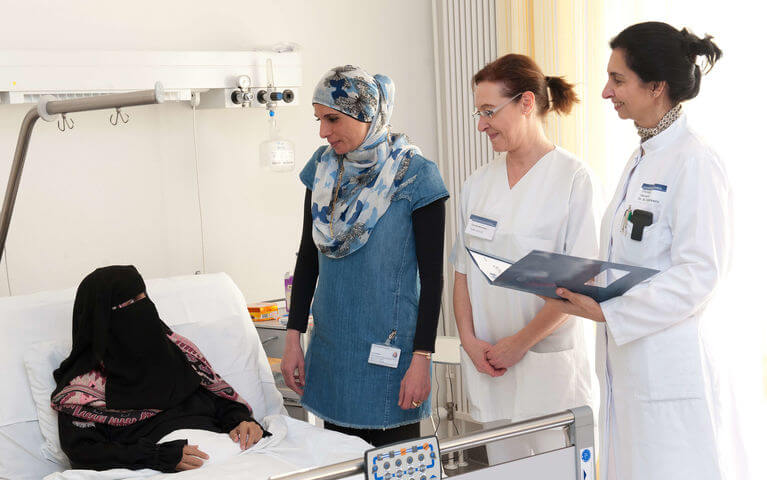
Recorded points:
464,42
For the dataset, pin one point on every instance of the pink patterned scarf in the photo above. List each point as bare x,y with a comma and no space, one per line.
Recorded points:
85,396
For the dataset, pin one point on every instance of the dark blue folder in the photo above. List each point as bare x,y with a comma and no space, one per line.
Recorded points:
542,272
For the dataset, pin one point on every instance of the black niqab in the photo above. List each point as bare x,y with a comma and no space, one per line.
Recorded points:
143,367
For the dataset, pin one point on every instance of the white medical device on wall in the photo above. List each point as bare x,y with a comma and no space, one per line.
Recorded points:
276,152
213,79
64,82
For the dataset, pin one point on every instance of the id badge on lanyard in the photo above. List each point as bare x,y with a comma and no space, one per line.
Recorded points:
384,354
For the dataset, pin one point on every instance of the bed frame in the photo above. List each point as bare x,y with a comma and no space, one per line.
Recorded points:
573,462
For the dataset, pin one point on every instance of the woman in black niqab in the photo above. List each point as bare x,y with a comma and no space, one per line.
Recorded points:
113,329
130,380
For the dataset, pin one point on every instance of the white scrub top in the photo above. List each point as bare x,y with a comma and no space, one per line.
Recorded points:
655,421
553,207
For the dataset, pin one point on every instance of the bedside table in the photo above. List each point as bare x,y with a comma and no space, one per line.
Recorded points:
273,334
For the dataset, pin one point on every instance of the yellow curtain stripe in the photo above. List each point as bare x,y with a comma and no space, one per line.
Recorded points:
566,38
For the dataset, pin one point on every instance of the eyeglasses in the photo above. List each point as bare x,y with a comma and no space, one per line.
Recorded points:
488,114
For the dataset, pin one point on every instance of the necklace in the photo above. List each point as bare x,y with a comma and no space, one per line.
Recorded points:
335,193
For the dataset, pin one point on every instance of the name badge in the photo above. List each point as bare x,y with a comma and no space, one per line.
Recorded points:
481,227
658,187
652,194
384,355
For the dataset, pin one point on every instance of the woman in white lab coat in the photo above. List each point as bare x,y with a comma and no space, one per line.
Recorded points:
521,359
671,212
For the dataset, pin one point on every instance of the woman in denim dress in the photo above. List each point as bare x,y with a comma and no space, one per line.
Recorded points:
372,243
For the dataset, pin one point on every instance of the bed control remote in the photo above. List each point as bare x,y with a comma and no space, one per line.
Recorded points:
415,459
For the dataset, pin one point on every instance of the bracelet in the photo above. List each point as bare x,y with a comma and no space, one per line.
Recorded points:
425,354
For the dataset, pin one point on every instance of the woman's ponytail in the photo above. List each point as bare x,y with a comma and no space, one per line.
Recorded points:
563,96
702,47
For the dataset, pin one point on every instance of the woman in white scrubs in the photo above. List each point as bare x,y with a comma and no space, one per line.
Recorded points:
671,212
520,358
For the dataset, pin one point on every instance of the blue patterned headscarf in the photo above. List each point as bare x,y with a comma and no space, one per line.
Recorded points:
369,175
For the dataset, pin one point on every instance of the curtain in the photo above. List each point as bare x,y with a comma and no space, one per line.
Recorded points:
565,38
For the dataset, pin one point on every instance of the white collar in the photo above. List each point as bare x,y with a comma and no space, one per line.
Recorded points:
667,136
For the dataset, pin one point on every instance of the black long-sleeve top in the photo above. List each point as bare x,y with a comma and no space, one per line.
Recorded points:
97,446
429,233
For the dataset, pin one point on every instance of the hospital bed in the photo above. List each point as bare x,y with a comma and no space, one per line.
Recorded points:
210,310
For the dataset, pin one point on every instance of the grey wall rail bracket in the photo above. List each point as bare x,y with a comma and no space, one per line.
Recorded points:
49,109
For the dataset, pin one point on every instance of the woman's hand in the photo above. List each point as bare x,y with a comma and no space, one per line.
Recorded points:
477,350
577,304
292,364
416,384
191,458
507,352
247,433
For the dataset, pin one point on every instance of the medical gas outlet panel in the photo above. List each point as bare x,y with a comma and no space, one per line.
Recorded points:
266,77
246,96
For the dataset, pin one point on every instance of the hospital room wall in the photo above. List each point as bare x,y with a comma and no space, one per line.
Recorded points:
101,195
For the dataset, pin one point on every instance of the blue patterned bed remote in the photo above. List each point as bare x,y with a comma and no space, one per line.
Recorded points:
415,459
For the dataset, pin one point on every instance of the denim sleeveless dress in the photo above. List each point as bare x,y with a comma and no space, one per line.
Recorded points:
359,300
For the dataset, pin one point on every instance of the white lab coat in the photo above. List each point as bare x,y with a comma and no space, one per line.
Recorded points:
655,416
554,208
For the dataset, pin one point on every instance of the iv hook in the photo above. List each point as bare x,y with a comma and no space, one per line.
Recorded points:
65,124
118,116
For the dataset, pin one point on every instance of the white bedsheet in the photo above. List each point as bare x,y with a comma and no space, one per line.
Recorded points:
20,453
296,445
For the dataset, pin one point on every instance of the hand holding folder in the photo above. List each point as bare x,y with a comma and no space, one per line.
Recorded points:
541,273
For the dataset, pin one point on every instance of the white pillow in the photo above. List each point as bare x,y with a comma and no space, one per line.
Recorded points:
232,347
39,362
25,320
